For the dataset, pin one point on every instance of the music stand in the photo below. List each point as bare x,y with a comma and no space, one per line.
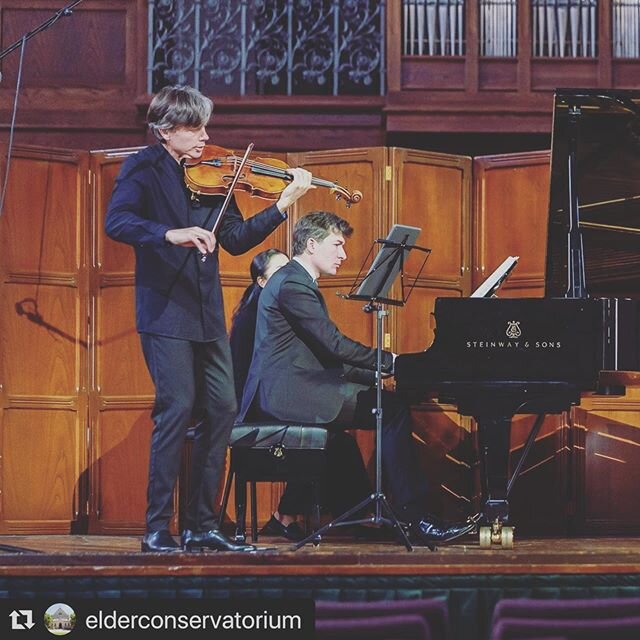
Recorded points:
374,288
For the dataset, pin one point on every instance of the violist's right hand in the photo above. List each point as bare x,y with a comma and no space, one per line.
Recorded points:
202,239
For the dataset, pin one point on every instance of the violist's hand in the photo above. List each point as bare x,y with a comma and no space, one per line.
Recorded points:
203,239
300,184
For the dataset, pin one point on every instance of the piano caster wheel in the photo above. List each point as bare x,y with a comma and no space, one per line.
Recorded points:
506,537
496,534
485,537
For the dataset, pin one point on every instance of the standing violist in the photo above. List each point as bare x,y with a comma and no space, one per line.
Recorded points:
179,308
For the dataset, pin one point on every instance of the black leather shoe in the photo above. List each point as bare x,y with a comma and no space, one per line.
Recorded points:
213,539
427,532
291,532
159,542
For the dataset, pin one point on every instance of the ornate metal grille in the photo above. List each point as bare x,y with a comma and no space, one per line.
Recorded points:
268,47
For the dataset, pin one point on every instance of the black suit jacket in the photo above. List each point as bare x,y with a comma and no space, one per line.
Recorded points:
177,295
303,368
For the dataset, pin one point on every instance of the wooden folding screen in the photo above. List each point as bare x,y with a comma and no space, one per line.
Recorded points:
44,336
75,396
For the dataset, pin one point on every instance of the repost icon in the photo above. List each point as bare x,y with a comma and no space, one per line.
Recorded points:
21,619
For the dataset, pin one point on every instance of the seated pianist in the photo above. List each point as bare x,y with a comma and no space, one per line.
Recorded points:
349,483
305,370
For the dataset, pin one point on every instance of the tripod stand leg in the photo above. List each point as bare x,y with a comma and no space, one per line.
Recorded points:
343,520
396,523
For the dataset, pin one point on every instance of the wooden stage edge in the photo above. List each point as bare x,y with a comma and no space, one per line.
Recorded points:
94,555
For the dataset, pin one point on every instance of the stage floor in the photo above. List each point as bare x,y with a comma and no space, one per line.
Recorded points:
64,555
470,580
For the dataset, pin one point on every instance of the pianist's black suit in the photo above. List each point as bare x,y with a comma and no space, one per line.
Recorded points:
304,369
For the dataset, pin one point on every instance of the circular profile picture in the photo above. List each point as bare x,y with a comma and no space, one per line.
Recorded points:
59,619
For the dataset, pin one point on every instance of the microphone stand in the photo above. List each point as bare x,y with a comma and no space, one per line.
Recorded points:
21,43
65,11
62,13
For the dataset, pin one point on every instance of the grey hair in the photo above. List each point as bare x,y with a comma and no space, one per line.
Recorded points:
318,225
176,106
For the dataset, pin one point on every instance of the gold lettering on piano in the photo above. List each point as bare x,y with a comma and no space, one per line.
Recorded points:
547,345
514,331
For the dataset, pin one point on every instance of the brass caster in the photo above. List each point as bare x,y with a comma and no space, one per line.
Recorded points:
485,537
506,537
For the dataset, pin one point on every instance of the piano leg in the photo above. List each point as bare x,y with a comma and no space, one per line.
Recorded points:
494,439
494,434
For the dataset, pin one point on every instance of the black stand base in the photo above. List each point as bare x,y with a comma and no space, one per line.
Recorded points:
382,507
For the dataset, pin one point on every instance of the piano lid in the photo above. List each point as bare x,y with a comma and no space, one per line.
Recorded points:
608,189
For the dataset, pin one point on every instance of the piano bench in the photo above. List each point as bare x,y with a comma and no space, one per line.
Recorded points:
273,452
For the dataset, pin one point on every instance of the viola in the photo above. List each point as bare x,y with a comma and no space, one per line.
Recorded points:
216,169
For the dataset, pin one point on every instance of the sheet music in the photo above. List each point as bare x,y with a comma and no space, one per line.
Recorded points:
493,282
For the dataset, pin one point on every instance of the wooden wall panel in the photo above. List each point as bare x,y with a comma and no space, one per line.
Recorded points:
415,323
120,368
44,237
607,455
121,393
433,191
42,467
43,337
41,355
119,468
81,77
85,48
510,212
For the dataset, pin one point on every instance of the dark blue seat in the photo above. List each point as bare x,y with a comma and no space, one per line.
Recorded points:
274,452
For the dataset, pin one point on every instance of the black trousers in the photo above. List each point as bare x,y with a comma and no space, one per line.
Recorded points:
347,482
176,367
400,469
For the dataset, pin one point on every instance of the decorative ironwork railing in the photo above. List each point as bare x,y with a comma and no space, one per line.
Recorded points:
268,47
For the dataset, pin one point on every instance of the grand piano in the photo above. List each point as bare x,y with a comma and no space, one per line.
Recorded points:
494,358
